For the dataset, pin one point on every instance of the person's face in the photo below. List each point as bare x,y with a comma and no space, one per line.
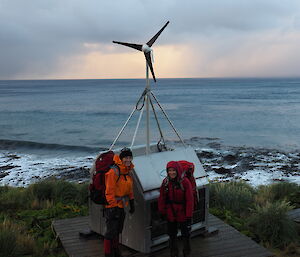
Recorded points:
127,160
172,173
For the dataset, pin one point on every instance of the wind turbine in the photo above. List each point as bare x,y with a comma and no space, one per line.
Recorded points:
146,48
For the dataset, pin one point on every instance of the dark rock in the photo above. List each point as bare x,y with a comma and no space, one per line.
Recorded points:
278,179
285,168
13,156
214,145
230,158
3,174
222,170
8,167
205,154
75,174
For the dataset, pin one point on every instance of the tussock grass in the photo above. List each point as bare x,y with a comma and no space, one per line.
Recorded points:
14,241
234,196
260,213
27,214
43,190
13,198
287,191
271,224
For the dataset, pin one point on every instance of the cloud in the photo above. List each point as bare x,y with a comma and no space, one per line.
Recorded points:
72,39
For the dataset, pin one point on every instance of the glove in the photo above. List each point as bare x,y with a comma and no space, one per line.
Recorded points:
132,208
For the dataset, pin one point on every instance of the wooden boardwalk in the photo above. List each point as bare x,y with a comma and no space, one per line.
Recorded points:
227,243
295,215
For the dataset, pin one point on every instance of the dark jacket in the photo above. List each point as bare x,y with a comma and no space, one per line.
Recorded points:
176,196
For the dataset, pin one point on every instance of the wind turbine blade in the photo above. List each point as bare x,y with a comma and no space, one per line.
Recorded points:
152,40
134,46
148,59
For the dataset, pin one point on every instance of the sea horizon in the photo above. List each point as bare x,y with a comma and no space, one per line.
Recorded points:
143,78
64,123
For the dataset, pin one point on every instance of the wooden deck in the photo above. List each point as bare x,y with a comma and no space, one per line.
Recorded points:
227,243
295,215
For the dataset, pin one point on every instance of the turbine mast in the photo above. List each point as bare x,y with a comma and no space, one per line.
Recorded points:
147,111
146,49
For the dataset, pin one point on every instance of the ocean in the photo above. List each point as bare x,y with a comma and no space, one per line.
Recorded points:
56,127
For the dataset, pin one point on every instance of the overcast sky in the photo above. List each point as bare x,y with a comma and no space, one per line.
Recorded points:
71,39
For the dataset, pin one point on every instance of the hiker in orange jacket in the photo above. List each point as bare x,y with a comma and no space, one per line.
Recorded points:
119,193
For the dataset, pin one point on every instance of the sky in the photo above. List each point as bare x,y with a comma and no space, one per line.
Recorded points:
72,39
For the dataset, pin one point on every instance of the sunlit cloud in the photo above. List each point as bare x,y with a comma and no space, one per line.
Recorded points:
45,39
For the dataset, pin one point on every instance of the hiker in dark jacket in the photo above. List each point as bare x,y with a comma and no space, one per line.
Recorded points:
119,193
176,202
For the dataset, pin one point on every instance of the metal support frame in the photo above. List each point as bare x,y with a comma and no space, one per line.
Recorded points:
170,122
146,96
137,126
122,129
157,122
147,111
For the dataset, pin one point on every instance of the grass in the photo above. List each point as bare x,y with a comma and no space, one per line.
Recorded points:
260,213
14,241
27,214
271,224
287,191
236,197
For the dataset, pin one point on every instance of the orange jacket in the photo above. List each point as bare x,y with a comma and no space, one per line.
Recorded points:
119,189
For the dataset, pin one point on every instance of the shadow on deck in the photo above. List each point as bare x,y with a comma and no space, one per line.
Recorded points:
227,243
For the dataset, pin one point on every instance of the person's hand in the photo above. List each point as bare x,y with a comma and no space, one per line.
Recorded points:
132,207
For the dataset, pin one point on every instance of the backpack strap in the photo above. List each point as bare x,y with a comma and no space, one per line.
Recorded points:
166,181
117,171
181,179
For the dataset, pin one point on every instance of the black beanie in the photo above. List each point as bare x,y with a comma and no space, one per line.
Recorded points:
125,152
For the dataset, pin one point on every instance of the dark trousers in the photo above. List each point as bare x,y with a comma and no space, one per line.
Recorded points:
114,225
173,229
114,222
185,232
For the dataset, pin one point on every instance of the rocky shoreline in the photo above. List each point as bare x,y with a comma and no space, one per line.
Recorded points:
240,162
222,163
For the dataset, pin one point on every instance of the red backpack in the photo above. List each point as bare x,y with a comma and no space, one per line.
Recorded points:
188,171
97,188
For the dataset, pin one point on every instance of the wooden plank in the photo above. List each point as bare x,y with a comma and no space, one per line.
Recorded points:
227,243
229,250
295,215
